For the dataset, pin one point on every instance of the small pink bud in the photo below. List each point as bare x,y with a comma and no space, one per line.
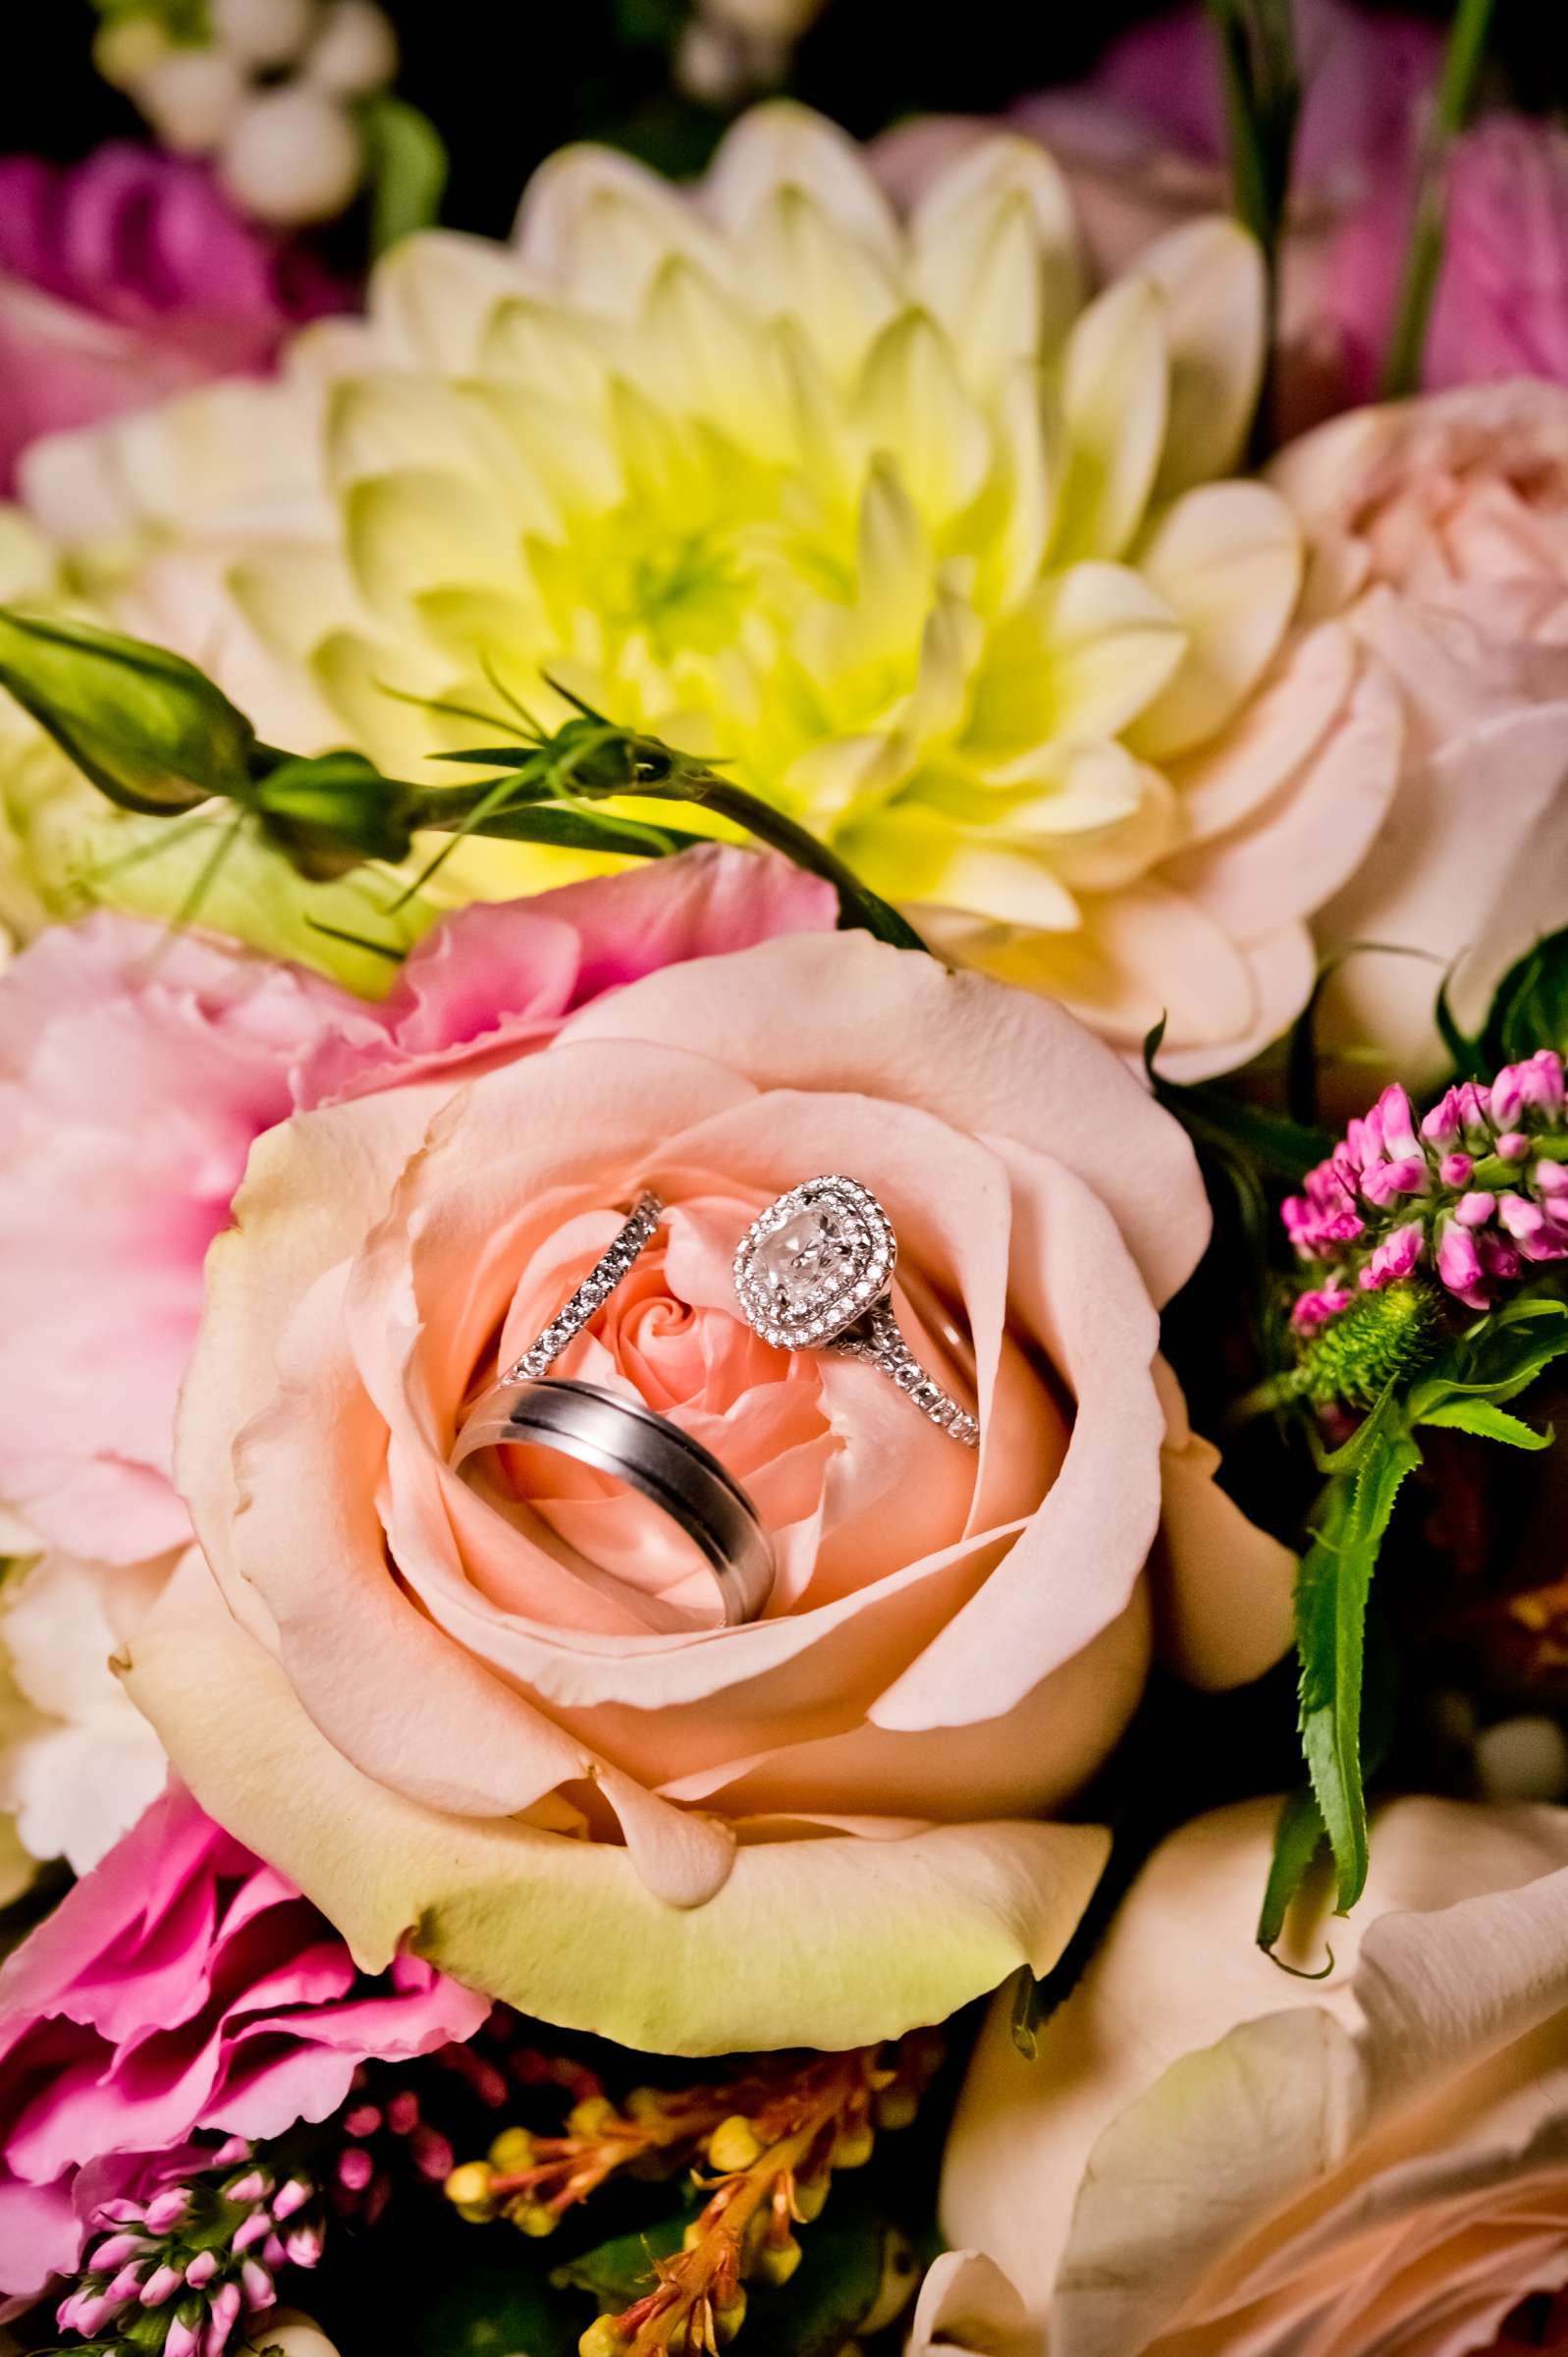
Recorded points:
183,2339
403,2112
356,2170
1395,1257
168,2208
203,2267
163,2283
1397,1120
255,2186
1475,1209
1532,1229
1459,1266
292,2196
255,2229
1454,1168
116,2250
1440,1128
1500,1259
433,2156
304,2246
259,2290
1390,1179
226,2306
363,2120
127,2284
1513,1145
1549,1177
1315,1309
1508,1095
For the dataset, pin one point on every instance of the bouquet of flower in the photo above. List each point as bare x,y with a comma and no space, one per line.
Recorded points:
724,919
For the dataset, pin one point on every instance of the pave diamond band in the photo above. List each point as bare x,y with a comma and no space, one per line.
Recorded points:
815,1271
882,1345
591,1294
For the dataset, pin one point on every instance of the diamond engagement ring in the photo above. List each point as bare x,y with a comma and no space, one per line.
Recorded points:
815,1273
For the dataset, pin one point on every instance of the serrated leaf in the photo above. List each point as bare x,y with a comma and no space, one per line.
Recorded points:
1331,1591
1488,1422
1299,1835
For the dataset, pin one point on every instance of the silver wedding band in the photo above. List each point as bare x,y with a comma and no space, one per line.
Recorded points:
651,1455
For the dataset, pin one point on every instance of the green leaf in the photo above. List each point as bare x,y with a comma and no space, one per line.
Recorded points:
1488,1422
1331,1591
147,729
488,2307
1530,1009
622,2270
408,170
1299,1835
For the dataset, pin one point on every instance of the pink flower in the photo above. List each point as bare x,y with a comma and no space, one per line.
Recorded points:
1143,144
137,1069
1208,2159
573,1789
180,1988
126,279
1438,531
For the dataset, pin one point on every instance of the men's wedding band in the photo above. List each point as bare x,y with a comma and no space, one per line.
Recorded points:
651,1455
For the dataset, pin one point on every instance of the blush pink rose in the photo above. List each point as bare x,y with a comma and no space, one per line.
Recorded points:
126,279
139,1067
576,1793
1437,533
1207,2157
182,1987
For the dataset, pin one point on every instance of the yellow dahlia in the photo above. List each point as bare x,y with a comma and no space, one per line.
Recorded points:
928,540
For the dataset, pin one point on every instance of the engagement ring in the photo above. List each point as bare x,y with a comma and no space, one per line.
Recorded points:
815,1273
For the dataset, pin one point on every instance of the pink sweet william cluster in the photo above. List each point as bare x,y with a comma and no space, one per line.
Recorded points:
1476,1192
182,1992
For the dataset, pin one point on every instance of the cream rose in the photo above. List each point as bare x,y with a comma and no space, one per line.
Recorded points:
816,1829
1439,535
1207,2157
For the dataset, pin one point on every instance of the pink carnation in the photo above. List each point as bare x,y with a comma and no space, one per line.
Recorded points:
126,279
182,1988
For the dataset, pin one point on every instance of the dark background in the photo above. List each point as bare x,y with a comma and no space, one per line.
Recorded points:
505,81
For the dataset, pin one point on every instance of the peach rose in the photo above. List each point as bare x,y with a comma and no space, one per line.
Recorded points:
1208,2158
812,1830
1438,530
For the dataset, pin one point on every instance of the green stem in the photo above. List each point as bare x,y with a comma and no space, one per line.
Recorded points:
1462,62
1262,86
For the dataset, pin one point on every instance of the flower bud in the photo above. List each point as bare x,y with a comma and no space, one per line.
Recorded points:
329,813
733,2145
262,32
355,50
777,2260
469,2189
192,97
531,2218
148,729
512,2150
602,2338
293,157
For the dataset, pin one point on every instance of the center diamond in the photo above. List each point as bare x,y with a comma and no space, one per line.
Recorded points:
809,1259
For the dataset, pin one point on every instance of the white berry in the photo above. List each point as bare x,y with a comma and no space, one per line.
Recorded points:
293,157
355,50
192,99
262,32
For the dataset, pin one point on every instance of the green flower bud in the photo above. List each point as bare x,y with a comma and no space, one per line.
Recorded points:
149,729
1381,1336
330,813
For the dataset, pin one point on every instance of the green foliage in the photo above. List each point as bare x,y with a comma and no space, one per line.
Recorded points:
1381,1339
1464,1390
408,166
1529,1010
